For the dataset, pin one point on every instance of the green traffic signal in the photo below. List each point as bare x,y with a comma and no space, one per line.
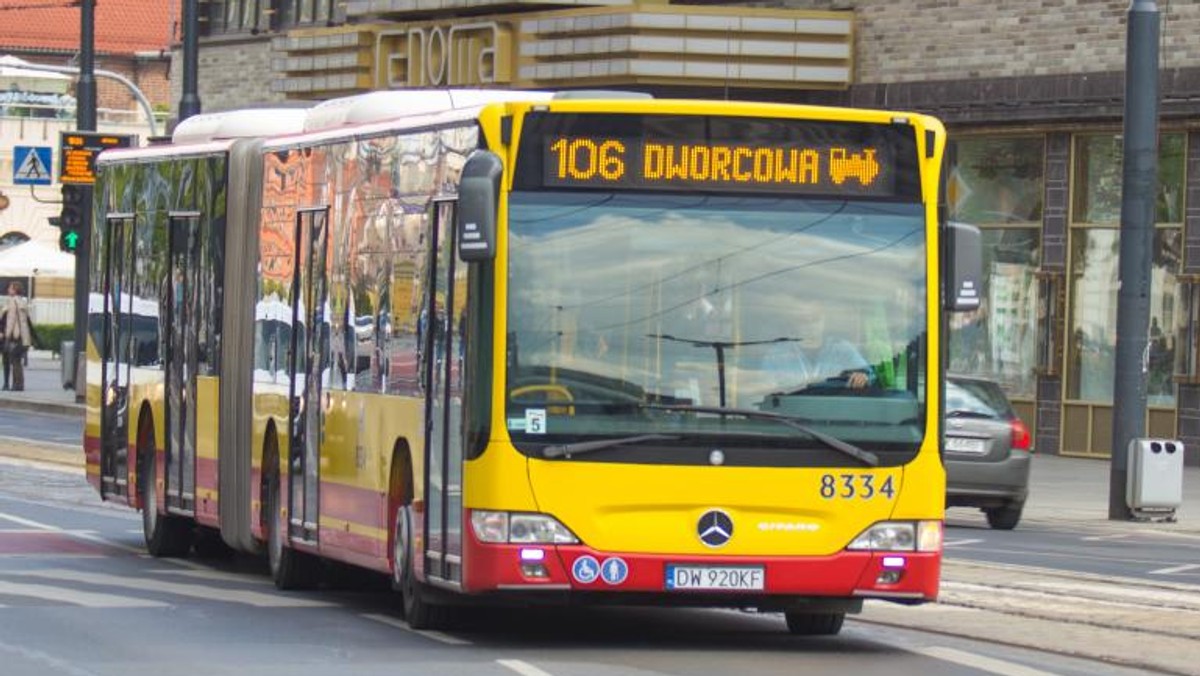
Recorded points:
76,203
68,241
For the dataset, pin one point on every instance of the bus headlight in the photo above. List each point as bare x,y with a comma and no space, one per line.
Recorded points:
900,536
520,528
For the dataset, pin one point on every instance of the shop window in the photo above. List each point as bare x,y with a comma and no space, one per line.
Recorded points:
1099,174
996,180
1092,343
1096,201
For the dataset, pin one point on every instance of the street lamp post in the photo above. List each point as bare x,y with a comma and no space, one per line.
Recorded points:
1140,174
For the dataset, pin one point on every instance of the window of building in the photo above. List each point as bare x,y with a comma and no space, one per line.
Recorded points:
1094,264
997,184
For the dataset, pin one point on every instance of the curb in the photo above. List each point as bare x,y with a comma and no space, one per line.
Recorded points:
39,406
61,455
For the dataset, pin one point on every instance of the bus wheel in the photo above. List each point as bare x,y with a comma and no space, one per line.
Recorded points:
290,569
814,624
418,611
166,535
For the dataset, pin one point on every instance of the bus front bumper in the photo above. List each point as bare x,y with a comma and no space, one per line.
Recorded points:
579,572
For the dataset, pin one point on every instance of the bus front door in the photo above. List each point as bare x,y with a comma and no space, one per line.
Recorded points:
182,334
310,292
115,367
446,310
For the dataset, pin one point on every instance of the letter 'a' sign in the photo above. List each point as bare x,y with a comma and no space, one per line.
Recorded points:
718,154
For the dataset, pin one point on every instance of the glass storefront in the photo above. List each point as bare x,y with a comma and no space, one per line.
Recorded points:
1094,268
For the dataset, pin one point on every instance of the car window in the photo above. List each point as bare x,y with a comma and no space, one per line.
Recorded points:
976,398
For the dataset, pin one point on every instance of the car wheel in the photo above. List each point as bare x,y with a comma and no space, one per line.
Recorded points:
1006,517
814,624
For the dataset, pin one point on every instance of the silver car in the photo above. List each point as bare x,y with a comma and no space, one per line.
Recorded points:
987,451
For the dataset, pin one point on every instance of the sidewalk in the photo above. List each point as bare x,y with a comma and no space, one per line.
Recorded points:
43,388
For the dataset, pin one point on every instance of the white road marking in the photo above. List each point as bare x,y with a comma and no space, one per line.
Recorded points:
89,536
434,635
956,543
523,668
219,576
1097,538
207,593
74,597
1176,569
981,662
29,524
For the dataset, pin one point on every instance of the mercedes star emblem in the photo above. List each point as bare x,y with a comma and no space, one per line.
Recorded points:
715,528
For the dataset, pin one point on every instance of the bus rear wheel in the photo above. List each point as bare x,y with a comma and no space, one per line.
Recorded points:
814,624
419,612
166,535
290,569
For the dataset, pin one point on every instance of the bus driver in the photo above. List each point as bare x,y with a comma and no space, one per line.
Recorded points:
805,355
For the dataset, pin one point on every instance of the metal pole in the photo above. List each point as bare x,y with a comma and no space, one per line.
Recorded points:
1138,188
85,111
85,116
189,103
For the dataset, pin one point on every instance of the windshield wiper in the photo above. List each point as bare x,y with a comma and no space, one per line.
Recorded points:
864,456
567,450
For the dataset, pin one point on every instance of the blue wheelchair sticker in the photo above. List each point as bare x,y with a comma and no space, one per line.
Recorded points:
585,570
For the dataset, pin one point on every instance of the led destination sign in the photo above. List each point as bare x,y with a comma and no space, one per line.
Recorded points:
650,164
637,152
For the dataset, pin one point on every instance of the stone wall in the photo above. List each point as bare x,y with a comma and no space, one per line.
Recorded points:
233,73
908,41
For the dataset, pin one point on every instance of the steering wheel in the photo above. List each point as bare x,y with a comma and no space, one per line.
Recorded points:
553,392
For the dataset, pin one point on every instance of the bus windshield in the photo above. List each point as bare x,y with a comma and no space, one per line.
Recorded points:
634,313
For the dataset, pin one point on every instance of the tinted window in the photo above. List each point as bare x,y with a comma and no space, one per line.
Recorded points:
976,397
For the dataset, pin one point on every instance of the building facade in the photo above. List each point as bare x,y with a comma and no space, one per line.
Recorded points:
132,39
1032,92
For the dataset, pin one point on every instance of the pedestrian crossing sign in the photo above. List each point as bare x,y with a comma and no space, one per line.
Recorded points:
31,165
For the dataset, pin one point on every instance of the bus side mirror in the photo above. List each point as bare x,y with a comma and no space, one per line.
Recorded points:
964,267
478,200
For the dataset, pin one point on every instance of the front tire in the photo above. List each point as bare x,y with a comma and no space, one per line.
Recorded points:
814,624
418,611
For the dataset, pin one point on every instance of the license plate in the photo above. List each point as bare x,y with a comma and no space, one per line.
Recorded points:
720,578
965,445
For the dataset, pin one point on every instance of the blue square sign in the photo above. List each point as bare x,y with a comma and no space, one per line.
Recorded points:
31,165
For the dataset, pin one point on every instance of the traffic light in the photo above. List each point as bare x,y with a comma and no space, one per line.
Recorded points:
75,216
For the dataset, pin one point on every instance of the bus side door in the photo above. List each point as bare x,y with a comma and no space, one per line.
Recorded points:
310,293
445,308
115,366
182,333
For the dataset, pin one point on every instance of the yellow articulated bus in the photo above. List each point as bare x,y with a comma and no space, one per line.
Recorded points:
523,347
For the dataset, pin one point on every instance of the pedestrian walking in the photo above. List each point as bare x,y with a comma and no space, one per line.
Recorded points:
18,335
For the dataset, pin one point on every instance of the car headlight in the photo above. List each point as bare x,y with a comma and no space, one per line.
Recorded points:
900,536
520,528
